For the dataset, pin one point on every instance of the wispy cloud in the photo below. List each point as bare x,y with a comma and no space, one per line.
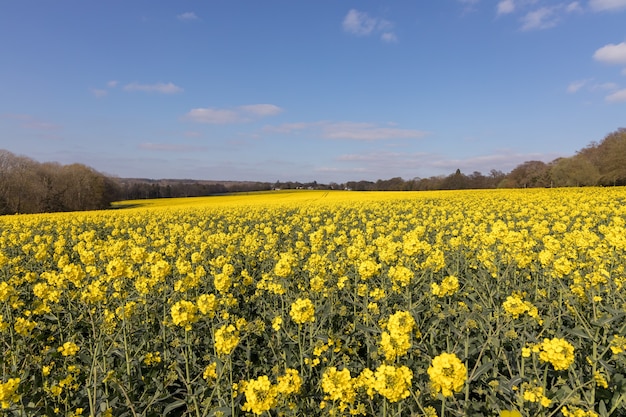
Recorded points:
369,132
505,7
99,92
187,16
574,86
103,92
589,85
170,147
574,7
389,37
617,97
405,163
537,18
241,114
28,121
261,109
359,23
39,125
542,18
362,24
611,54
469,5
348,131
162,88
607,5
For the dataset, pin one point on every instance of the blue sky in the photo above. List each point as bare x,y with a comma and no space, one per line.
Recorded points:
308,90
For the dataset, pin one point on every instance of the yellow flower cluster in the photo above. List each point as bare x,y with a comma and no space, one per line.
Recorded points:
558,352
578,412
8,392
448,286
184,314
534,394
392,382
69,349
447,374
618,344
226,339
338,386
302,311
261,395
516,306
396,341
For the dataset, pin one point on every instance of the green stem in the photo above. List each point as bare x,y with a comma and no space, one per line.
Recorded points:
443,405
187,354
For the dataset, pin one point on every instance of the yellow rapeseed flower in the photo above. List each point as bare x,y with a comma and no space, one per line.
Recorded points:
338,386
226,339
210,372
447,374
290,382
302,311
392,382
559,352
68,349
7,392
184,314
449,286
260,395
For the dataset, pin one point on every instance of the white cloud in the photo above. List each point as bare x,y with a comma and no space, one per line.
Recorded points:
348,130
162,88
574,7
212,116
389,37
624,72
39,125
170,147
361,24
112,84
542,18
292,128
97,92
469,5
611,54
617,97
573,87
604,87
506,7
607,5
241,114
368,132
29,121
404,164
261,109
187,16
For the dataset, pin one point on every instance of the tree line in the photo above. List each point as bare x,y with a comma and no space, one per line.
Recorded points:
598,164
27,186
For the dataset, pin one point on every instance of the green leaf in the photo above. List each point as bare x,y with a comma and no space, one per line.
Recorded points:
602,409
224,411
483,368
577,331
173,406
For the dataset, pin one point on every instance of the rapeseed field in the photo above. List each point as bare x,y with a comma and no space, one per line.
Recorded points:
460,303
